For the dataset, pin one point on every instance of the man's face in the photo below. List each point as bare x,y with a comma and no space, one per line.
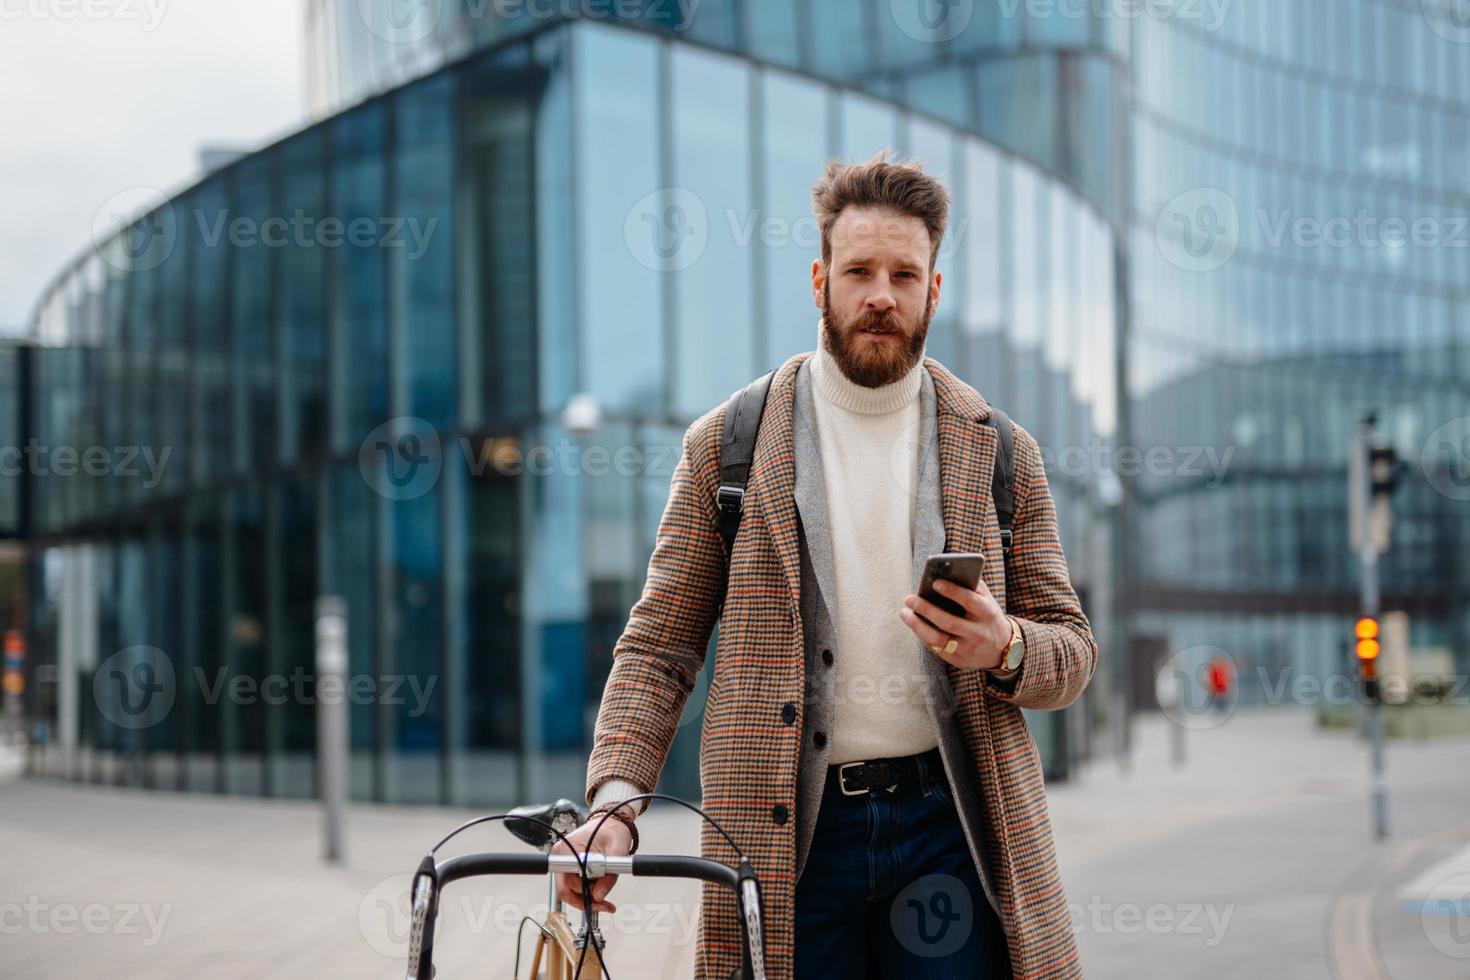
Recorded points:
879,299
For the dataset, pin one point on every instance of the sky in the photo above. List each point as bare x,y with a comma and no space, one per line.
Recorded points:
100,97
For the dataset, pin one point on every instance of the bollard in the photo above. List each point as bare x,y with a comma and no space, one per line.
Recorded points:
331,722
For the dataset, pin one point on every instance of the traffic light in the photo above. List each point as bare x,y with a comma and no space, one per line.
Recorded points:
1367,647
1384,470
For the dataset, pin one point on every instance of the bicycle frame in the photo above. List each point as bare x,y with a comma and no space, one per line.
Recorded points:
433,876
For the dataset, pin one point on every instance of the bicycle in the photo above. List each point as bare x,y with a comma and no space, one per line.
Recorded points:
572,953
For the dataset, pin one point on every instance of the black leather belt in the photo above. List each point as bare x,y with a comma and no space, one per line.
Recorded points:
901,772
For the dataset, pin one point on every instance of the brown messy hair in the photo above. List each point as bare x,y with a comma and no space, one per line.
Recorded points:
900,188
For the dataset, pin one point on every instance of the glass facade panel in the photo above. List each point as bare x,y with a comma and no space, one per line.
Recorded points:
710,134
357,267
302,370
619,199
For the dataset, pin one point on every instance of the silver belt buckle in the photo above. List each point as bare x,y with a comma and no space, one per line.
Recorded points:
842,778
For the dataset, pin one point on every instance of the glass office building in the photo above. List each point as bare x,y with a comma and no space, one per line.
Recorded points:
1299,257
435,354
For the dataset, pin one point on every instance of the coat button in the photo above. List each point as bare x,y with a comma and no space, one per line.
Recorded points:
778,814
827,657
820,738
788,713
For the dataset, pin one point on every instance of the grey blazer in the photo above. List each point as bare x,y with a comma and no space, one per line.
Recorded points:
818,579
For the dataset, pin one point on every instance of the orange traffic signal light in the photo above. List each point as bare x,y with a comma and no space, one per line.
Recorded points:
1366,630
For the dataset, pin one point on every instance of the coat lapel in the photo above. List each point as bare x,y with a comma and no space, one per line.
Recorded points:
811,491
772,486
967,449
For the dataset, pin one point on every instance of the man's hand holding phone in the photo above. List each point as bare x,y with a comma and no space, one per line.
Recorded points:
975,636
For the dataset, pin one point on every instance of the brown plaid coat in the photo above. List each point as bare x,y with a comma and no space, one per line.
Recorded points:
749,758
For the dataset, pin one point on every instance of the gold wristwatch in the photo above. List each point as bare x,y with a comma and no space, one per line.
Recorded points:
1016,649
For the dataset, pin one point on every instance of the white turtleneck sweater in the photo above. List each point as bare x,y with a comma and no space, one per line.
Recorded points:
869,443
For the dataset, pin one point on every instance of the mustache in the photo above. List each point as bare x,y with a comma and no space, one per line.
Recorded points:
878,323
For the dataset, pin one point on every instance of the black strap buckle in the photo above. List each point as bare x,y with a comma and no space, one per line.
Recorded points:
730,499
1006,537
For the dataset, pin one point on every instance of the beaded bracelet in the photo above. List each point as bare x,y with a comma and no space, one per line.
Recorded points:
619,812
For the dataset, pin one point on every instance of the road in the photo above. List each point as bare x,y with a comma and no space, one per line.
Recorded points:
1254,860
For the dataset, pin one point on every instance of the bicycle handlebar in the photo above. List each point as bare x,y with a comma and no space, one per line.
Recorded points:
432,876
598,864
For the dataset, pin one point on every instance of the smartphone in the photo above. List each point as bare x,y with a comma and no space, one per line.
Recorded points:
963,569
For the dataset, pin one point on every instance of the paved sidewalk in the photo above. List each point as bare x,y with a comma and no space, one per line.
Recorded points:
1253,861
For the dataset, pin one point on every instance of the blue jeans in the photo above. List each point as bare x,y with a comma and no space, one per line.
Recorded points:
890,890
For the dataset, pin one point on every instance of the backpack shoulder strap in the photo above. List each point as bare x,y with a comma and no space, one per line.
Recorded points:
737,451
1002,477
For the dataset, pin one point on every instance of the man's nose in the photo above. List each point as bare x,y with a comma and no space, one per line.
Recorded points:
881,299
